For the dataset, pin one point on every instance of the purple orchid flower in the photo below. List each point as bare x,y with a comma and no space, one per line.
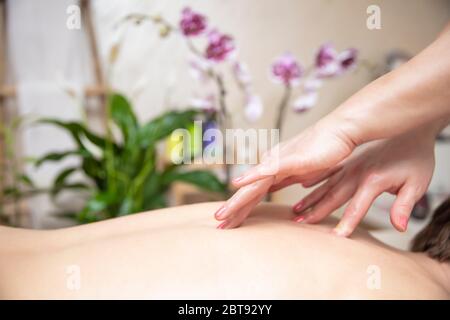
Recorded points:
192,23
219,46
330,63
286,70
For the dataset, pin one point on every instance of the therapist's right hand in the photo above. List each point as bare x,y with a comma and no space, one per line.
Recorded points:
311,155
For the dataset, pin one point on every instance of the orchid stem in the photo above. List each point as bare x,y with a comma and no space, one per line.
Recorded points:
282,109
225,122
280,118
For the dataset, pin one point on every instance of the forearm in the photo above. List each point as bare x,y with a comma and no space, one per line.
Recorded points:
416,94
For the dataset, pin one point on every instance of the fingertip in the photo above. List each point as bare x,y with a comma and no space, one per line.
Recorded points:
401,222
222,225
220,214
300,219
403,207
400,214
342,230
299,206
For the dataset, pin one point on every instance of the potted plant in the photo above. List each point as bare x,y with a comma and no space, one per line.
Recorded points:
124,174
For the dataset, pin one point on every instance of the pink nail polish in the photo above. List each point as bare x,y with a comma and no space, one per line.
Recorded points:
403,222
299,206
299,219
219,213
222,225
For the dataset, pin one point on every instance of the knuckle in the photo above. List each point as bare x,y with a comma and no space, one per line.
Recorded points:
332,195
351,212
418,191
373,178
403,208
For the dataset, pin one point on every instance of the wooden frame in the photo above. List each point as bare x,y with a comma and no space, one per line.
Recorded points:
3,111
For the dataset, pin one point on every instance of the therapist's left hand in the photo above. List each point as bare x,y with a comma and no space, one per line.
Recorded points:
402,166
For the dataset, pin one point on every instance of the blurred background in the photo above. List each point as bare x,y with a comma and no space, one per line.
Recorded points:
91,90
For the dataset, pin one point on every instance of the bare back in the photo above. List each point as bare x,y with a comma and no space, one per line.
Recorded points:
178,253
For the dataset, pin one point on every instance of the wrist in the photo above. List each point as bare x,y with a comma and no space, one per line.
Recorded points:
435,128
343,127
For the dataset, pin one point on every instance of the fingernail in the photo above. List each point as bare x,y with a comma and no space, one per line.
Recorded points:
222,225
403,222
300,219
238,179
219,213
299,206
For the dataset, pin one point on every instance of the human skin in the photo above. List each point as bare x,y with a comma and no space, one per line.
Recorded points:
407,99
402,166
176,253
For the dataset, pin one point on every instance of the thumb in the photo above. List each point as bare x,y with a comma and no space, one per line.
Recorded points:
403,206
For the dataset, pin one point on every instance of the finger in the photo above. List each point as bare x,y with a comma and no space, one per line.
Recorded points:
241,214
293,179
237,219
243,196
252,175
316,195
285,183
403,206
338,195
358,207
308,183
276,165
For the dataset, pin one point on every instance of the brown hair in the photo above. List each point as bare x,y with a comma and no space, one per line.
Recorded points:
434,239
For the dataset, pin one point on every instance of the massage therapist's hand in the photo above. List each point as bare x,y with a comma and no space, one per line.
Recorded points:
319,148
402,166
413,96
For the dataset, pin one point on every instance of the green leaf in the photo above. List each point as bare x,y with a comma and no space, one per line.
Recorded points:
157,201
126,207
201,178
60,184
11,191
26,180
61,178
86,216
57,156
164,125
96,171
122,114
136,187
77,130
100,202
96,208
69,186
152,186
